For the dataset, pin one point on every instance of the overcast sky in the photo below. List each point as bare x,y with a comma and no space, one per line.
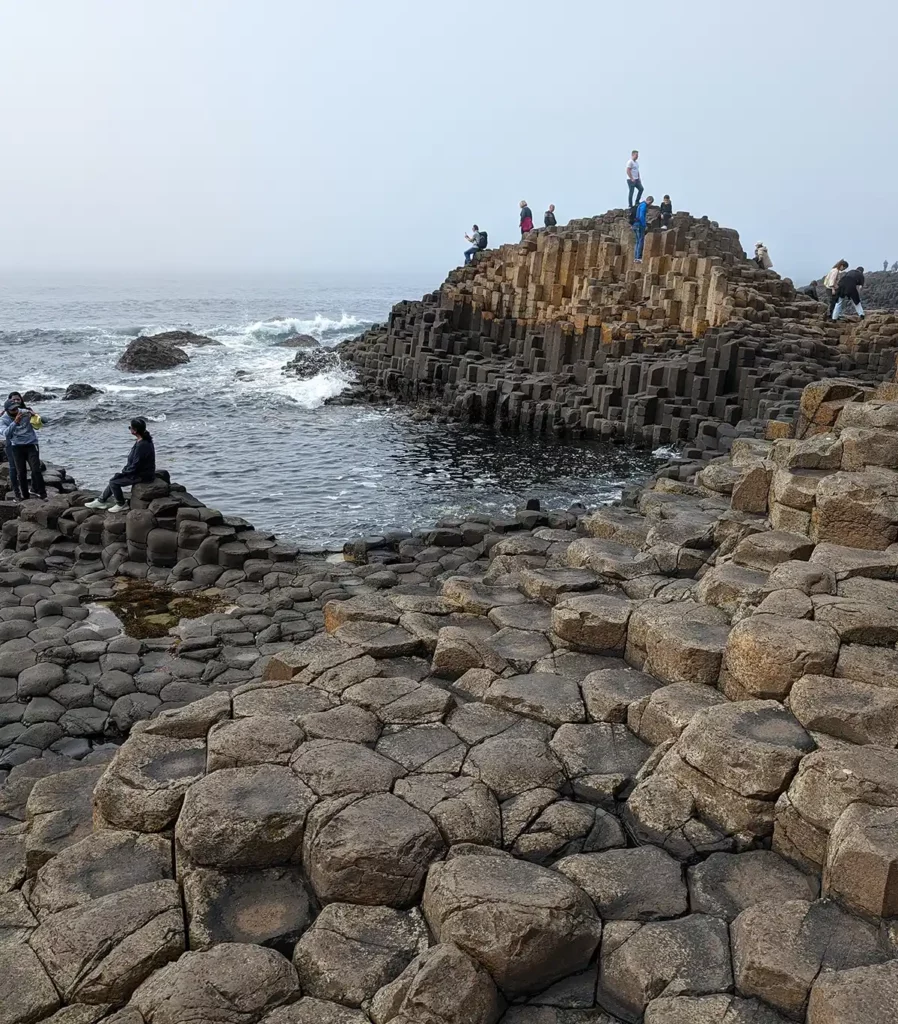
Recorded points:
368,135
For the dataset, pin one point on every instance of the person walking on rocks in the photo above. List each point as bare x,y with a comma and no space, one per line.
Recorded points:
634,182
762,256
140,468
478,240
526,218
848,286
831,284
639,225
810,290
20,425
666,212
549,216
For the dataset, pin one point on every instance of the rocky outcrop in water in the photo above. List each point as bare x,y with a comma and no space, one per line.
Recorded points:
638,764
298,341
309,362
146,355
563,333
184,338
78,392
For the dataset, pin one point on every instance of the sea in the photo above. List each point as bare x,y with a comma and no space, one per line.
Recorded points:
247,439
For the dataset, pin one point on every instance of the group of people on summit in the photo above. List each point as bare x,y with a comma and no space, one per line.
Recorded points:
19,424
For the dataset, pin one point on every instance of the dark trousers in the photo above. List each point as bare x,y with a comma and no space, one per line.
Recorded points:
639,231
833,299
634,186
27,456
114,487
665,220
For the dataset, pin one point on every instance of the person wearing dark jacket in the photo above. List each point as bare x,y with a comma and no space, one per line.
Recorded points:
140,468
849,283
810,290
666,212
17,426
526,218
549,216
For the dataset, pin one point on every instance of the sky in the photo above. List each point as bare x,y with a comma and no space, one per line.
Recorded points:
366,136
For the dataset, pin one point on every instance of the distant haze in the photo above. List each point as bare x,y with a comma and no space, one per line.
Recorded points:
367,137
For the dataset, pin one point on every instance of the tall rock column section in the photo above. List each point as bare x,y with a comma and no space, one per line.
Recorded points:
564,333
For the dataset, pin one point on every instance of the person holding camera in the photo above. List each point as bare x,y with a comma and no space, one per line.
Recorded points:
139,469
19,425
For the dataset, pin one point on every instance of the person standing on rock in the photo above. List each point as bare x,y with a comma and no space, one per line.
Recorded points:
848,286
634,182
526,218
475,238
831,284
19,427
549,216
11,462
639,225
139,469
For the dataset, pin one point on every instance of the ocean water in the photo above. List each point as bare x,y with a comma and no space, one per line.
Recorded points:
244,437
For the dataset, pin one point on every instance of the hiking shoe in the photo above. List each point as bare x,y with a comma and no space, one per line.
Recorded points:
117,508
96,504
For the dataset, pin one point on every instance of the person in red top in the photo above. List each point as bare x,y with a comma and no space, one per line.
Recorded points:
526,218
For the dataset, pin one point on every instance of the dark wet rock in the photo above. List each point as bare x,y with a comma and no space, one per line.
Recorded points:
146,355
309,362
304,341
183,338
75,392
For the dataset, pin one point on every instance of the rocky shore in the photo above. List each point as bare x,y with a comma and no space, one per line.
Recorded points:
633,764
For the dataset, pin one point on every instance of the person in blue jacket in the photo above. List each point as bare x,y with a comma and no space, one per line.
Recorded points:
639,225
5,422
22,447
140,468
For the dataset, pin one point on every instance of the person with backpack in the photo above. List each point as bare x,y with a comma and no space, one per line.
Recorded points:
140,468
19,426
848,286
666,212
526,218
478,240
634,182
639,218
762,256
549,216
831,284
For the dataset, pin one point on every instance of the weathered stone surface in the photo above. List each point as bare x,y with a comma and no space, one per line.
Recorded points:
315,1011
269,907
641,884
101,951
725,884
716,1009
350,952
335,768
849,710
608,693
595,623
465,811
258,739
601,760
59,813
106,862
144,786
767,550
858,510
638,963
26,992
510,766
374,850
442,985
780,948
666,712
234,983
549,927
244,817
548,698
766,654
862,860
400,700
868,994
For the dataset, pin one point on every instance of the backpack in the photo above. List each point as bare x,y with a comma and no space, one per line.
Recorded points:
483,241
633,213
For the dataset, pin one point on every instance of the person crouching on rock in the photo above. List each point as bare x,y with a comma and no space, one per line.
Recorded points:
139,469
19,427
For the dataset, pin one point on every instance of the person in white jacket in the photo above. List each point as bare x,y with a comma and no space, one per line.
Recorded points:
831,284
762,256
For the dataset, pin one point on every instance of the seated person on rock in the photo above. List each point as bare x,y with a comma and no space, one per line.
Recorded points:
666,212
140,468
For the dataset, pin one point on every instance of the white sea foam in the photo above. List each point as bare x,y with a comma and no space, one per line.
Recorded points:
319,326
666,451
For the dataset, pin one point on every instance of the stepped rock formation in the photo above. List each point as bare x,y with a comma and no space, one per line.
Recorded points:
564,333
634,765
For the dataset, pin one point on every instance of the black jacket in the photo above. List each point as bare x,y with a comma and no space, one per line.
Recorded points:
549,219
142,460
850,281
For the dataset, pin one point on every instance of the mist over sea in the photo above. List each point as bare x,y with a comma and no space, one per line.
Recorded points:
245,438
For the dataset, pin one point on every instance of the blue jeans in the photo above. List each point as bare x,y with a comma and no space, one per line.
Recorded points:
470,252
639,231
634,186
